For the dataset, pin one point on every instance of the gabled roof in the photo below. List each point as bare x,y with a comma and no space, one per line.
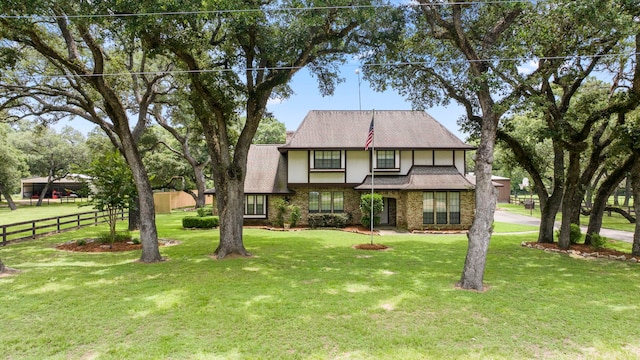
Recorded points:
420,178
71,178
266,171
394,129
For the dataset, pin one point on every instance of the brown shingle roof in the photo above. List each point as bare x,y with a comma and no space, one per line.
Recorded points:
420,178
394,129
266,171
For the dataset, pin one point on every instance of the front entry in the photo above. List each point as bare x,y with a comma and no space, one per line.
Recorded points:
388,215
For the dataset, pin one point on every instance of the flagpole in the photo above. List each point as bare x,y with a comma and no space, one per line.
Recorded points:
373,165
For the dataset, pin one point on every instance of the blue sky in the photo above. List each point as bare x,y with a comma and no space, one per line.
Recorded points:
307,97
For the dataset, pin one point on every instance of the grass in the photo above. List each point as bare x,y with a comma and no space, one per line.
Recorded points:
310,295
26,212
615,221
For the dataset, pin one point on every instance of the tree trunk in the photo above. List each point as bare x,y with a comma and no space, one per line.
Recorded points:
549,209
627,191
486,198
548,216
201,185
609,185
12,205
635,186
134,214
148,230
230,198
568,200
43,193
2,267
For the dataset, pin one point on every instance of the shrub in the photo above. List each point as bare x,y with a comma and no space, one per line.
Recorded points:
575,234
329,220
205,211
366,221
81,242
597,241
365,208
200,222
294,215
281,208
122,236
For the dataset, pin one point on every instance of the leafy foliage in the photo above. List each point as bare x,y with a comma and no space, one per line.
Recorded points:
365,208
329,220
112,187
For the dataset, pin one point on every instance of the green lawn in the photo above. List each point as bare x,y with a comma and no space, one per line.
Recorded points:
27,212
310,295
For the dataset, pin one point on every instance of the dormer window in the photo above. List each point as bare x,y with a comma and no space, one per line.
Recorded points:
388,160
327,159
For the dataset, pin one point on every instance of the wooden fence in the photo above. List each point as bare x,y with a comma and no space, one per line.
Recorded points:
35,228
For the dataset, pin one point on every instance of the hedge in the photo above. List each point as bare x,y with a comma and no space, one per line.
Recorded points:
200,222
329,220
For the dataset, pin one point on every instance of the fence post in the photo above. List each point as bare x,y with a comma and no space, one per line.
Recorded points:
78,216
58,223
33,229
4,235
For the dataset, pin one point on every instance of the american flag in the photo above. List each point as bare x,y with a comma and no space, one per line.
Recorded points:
369,136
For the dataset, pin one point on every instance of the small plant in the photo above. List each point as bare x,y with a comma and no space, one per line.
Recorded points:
281,208
294,215
575,234
108,238
205,211
81,242
598,241
135,241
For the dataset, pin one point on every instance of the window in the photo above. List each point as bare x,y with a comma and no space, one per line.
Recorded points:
385,159
454,208
440,207
254,205
427,208
327,159
326,202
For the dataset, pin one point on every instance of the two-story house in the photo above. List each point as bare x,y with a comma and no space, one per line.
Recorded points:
414,162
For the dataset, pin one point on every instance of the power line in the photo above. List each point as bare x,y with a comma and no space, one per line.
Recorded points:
265,10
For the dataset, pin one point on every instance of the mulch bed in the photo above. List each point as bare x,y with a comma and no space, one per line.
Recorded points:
94,246
585,251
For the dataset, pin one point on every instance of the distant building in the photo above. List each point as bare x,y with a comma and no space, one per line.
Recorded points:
68,186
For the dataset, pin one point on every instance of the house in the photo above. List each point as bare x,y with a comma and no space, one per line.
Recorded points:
418,167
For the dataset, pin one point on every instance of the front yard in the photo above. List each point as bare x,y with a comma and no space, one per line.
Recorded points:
310,295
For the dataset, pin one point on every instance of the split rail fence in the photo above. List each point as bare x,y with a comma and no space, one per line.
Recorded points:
27,230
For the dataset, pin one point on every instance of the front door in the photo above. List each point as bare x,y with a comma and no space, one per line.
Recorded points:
388,215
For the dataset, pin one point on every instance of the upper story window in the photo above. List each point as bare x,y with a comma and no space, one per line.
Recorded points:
327,159
386,159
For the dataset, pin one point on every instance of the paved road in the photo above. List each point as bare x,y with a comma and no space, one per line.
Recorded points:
507,217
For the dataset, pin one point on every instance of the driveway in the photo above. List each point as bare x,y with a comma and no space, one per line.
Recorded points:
508,217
